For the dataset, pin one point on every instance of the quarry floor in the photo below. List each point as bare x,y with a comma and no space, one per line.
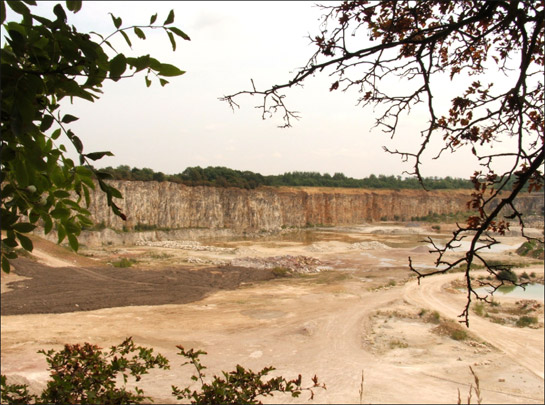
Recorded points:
361,315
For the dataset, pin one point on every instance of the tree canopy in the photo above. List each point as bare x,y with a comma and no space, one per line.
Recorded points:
224,177
44,64
427,47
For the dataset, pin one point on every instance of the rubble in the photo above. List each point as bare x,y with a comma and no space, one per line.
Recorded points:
296,264
197,260
185,245
372,245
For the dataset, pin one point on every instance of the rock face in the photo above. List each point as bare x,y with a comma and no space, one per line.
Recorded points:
166,205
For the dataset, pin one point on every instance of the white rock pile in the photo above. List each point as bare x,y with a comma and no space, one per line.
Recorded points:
185,245
296,264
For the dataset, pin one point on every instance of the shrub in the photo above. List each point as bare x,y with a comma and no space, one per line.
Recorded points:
124,262
434,317
240,386
396,343
85,374
15,393
525,321
458,334
279,272
507,275
479,309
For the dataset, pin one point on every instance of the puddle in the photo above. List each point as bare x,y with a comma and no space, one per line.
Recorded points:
464,245
532,292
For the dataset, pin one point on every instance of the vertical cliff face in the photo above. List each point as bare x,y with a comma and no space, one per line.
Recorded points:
175,206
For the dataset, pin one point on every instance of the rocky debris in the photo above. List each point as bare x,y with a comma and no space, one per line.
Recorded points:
295,264
372,245
185,245
197,260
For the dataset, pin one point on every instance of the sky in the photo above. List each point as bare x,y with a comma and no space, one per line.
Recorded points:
185,124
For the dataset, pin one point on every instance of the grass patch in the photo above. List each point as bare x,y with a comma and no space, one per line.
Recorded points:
154,255
279,272
531,248
526,321
398,344
451,329
124,262
520,314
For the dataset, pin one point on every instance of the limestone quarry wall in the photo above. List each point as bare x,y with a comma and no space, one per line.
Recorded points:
166,205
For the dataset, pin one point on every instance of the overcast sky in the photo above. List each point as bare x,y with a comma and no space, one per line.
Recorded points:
184,124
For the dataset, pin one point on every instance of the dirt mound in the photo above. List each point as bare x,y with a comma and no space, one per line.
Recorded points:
70,289
421,249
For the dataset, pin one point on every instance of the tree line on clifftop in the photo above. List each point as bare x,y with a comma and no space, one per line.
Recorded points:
225,177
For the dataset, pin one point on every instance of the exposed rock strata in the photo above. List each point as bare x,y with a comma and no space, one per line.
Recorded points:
170,206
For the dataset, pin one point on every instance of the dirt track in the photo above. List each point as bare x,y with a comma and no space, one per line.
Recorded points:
334,324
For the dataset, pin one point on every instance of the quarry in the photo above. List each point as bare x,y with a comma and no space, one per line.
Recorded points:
311,281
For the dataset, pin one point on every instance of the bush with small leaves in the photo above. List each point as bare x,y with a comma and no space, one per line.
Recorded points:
507,275
240,386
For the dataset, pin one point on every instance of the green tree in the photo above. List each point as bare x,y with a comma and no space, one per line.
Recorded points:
432,45
44,64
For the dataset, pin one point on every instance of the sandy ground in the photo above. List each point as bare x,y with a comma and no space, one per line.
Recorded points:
361,315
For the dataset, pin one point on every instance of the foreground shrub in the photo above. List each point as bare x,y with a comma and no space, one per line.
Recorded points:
83,374
240,386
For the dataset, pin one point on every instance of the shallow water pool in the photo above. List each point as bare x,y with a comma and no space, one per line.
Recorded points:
532,292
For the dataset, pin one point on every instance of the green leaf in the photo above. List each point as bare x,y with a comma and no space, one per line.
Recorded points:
61,193
126,38
48,224
47,121
72,227
139,33
56,133
24,227
172,41
180,33
18,7
5,261
21,173
139,63
117,21
98,155
9,242
73,5
77,143
163,82
60,213
73,241
103,175
170,70
170,18
148,81
87,196
61,233
118,65
2,19
69,118
59,12
152,19
26,243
